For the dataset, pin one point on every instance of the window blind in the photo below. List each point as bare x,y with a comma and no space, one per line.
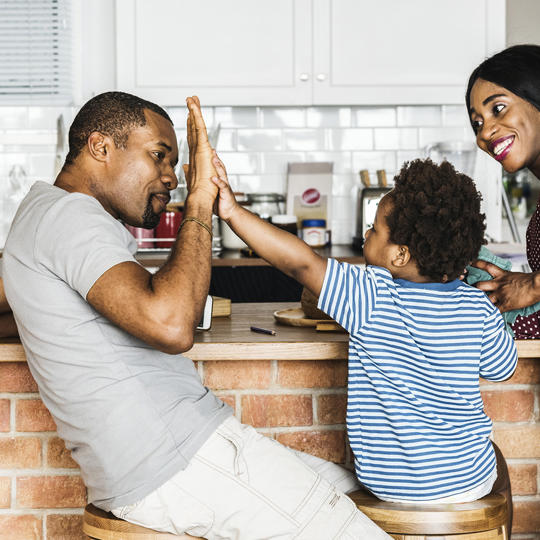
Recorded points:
35,51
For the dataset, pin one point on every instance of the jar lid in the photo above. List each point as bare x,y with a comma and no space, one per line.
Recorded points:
314,223
266,197
283,218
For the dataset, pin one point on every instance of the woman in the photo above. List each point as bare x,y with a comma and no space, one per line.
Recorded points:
503,101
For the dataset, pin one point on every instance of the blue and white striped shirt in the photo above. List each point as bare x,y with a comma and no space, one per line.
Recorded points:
415,415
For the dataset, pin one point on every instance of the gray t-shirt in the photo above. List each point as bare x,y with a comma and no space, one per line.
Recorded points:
131,415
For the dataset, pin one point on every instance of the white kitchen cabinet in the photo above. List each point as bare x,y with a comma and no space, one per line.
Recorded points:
228,52
401,51
304,52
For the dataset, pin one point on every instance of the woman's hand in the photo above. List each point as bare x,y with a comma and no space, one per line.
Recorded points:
200,169
508,290
226,203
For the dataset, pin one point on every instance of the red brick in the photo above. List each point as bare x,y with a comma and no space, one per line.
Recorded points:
5,424
526,517
50,492
32,415
229,399
65,527
58,455
241,374
5,492
328,445
527,372
509,405
16,377
20,452
523,478
312,374
521,441
277,410
20,527
332,409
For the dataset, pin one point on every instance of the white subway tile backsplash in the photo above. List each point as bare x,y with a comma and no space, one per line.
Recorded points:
321,117
257,143
341,160
433,135
304,139
282,117
276,162
46,117
374,116
13,117
350,139
267,183
455,115
27,137
41,165
236,117
373,161
259,139
418,116
240,163
226,141
396,138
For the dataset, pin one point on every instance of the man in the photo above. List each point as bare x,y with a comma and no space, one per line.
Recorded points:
103,339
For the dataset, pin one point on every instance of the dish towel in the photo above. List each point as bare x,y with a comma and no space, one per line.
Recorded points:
475,274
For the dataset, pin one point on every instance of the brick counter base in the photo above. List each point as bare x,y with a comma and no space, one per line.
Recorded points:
299,403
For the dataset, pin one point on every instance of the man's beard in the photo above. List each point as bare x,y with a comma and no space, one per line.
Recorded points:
150,218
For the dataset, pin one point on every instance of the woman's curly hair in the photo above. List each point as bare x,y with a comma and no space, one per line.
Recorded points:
435,211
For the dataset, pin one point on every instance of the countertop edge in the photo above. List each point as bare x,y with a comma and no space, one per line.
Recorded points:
11,350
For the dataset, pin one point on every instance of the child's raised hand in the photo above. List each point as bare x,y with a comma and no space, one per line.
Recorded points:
226,203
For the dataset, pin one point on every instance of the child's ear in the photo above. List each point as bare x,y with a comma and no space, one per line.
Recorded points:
401,257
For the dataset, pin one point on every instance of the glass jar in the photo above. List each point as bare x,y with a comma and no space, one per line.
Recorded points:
266,205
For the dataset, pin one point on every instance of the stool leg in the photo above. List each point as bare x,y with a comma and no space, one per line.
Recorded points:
502,486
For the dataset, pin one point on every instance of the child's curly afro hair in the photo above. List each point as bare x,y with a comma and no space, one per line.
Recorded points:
435,211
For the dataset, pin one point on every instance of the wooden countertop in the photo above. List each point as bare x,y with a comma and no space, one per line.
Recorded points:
233,257
231,339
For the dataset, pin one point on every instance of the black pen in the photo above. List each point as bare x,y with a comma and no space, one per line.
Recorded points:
262,330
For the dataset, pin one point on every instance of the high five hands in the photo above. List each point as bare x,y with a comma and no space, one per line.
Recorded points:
200,169
205,170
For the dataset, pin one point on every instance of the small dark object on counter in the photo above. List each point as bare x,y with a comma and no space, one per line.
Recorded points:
262,330
248,252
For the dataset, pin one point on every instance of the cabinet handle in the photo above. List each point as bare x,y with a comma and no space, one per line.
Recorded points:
304,76
321,77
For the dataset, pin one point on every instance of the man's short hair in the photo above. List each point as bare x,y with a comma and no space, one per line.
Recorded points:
436,213
111,113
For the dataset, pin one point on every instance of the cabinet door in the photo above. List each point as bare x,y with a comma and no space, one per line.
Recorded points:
228,52
401,51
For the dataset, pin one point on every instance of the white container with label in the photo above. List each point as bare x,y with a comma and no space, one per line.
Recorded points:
314,232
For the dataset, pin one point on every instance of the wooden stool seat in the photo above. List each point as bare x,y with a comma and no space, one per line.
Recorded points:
103,525
484,519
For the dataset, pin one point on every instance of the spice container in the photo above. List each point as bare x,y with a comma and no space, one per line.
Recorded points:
314,232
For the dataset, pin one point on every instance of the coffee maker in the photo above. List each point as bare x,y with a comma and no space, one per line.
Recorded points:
367,200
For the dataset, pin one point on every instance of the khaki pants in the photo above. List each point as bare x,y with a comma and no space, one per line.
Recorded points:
243,485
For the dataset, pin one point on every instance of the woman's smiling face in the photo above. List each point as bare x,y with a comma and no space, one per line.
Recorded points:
507,127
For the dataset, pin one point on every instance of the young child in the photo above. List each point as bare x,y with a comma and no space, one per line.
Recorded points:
419,337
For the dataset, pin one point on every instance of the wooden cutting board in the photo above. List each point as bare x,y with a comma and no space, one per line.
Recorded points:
295,317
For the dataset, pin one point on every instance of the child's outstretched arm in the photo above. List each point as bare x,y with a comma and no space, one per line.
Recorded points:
280,248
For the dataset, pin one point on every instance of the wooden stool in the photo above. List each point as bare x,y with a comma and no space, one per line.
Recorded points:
484,519
102,525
